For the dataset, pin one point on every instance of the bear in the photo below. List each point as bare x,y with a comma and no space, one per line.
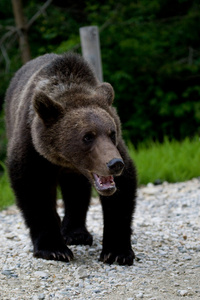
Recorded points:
63,131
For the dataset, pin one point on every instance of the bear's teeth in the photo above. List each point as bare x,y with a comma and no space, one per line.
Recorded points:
104,182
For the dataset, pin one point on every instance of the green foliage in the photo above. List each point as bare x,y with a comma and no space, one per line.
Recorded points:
170,161
6,194
2,138
150,54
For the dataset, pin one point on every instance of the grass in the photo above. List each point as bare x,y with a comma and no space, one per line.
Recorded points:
6,194
170,161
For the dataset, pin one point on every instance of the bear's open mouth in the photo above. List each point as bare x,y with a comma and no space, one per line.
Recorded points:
104,183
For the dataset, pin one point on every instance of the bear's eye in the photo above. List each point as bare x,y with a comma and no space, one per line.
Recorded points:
89,138
113,136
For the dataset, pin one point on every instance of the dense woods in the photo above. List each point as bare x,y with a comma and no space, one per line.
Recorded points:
150,54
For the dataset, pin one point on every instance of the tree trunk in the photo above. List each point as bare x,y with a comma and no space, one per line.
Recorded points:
22,30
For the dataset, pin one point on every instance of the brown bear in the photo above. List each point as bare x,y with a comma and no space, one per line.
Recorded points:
62,130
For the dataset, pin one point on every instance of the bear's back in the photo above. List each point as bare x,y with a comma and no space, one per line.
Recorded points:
21,85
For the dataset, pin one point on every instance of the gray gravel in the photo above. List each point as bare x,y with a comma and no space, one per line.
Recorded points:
166,241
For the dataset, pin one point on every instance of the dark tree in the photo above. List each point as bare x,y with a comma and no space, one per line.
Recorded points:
21,30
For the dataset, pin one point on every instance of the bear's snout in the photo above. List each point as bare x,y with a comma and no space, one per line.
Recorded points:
115,166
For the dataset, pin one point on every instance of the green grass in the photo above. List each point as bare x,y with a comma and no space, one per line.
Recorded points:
6,194
170,161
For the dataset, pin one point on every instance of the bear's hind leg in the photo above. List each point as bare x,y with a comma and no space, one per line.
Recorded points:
76,192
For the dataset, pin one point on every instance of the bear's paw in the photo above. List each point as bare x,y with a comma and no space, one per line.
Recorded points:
125,258
79,236
63,254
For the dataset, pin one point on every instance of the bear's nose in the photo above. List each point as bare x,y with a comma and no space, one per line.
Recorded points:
115,165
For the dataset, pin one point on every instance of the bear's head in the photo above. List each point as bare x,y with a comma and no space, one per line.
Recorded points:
80,132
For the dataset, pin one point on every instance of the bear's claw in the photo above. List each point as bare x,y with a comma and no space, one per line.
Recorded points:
64,255
122,259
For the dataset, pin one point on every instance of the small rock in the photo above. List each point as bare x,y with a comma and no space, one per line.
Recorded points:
176,284
197,249
41,274
181,249
139,295
7,272
97,291
38,297
150,190
10,236
64,293
150,185
182,292
184,236
158,182
140,256
188,257
81,273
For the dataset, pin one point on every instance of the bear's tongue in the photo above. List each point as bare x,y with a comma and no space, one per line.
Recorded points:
104,182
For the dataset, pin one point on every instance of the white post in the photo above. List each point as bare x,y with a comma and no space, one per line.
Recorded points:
90,45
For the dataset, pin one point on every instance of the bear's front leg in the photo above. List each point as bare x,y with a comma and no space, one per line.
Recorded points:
34,182
76,197
117,211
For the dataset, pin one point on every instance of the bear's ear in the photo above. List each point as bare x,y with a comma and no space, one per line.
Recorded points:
47,109
106,90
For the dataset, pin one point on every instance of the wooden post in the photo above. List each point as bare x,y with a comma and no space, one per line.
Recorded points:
90,45
22,30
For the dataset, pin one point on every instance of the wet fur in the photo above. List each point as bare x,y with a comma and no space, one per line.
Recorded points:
48,100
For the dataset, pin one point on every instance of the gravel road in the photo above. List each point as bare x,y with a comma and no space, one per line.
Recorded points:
166,241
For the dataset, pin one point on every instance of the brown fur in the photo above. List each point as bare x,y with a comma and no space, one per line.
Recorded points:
60,121
66,102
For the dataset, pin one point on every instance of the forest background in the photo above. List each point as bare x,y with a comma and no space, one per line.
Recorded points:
150,54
